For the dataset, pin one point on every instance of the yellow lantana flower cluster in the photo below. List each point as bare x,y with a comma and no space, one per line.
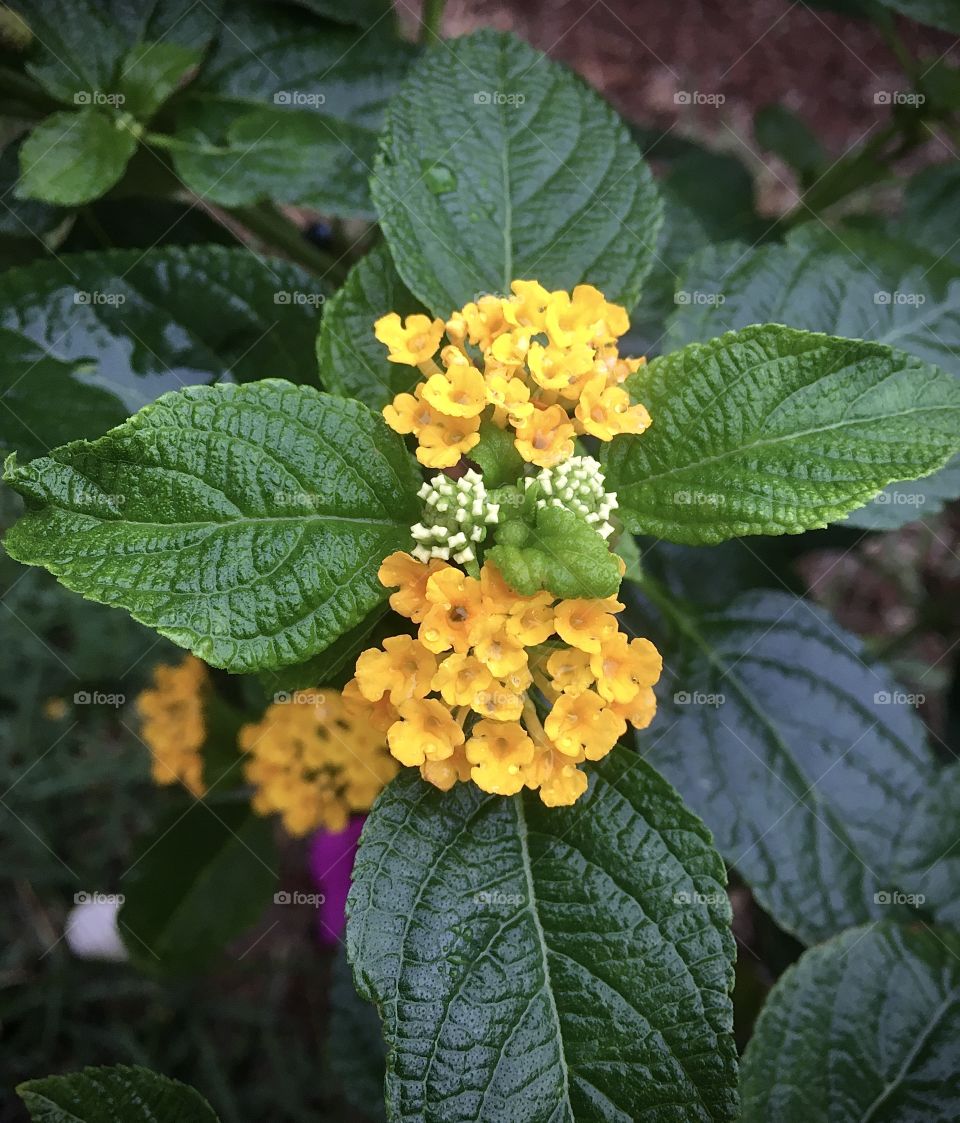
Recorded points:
545,364
315,759
172,723
459,700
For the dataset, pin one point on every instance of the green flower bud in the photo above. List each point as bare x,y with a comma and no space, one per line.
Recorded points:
577,485
456,514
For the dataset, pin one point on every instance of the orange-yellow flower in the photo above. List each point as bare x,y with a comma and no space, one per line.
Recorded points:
459,678
455,609
443,774
587,623
546,437
583,726
498,750
640,710
426,731
446,439
530,620
400,569
569,670
408,413
500,652
621,668
460,392
404,669
605,411
412,341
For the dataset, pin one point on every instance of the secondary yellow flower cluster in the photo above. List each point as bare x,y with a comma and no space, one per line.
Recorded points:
312,758
315,760
544,363
172,723
458,700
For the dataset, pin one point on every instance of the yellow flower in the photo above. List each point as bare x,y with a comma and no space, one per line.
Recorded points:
640,710
446,439
563,783
400,569
531,619
460,392
315,760
622,668
455,609
529,305
586,624
605,411
443,774
498,750
569,670
546,437
583,726
499,652
500,701
381,715
426,731
557,368
510,348
173,726
498,598
408,413
404,669
411,342
459,678
510,395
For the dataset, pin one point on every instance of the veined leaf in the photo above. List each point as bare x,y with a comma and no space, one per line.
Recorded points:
769,430
862,1028
928,857
805,761
89,338
105,1095
938,13
352,361
246,523
497,163
576,961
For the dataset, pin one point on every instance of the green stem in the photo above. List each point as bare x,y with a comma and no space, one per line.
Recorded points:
272,227
432,17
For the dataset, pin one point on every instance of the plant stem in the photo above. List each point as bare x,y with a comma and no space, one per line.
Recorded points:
432,17
272,227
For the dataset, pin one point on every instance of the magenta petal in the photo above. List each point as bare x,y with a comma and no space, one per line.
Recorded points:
331,864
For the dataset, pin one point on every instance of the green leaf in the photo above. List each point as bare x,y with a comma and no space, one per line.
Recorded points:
929,217
355,1047
804,760
938,13
85,340
105,1095
784,133
861,287
718,188
863,1028
25,224
928,856
295,120
202,878
496,164
151,73
362,13
80,45
352,361
246,523
769,430
71,158
496,455
574,960
560,552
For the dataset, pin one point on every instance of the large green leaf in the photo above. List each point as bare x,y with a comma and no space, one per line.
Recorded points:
862,1029
288,109
928,857
71,158
87,339
929,217
769,430
497,163
546,964
106,1095
804,760
203,877
244,522
861,286
938,13
353,362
